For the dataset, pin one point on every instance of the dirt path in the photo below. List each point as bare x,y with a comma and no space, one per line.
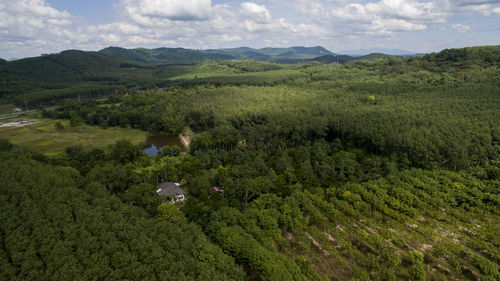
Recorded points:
18,123
16,114
186,140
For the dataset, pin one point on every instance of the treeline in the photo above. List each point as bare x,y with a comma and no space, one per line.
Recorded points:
55,96
451,61
149,113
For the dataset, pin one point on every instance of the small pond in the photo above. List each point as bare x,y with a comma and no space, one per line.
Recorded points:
156,142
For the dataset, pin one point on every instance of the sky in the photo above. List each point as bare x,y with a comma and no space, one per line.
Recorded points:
34,27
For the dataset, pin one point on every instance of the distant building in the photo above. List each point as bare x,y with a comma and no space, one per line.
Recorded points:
216,189
172,191
17,109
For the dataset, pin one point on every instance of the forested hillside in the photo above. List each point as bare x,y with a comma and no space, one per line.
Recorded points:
273,53
384,169
50,78
391,108
164,55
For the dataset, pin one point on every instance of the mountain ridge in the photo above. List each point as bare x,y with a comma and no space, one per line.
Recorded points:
182,55
111,69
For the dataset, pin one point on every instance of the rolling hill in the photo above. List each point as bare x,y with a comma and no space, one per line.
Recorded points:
74,72
364,52
163,55
67,65
187,56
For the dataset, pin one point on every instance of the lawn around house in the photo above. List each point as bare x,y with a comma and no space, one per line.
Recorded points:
44,137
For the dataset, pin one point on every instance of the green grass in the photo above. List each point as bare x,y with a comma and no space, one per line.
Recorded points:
45,138
7,108
238,69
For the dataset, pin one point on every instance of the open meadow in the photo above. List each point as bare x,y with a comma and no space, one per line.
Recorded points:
44,136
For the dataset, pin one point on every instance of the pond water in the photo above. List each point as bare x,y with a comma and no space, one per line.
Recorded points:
156,142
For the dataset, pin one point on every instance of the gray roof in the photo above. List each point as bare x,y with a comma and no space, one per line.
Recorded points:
170,189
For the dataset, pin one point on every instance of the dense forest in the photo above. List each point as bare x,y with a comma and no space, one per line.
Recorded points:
60,225
382,168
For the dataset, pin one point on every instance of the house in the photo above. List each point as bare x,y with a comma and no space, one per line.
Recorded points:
178,198
17,109
172,191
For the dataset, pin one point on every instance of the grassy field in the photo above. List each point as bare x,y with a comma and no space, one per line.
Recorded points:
7,108
239,68
43,136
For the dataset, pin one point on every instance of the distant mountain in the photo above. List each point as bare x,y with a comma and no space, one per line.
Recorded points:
180,55
296,52
364,52
374,56
65,66
341,59
328,59
275,53
241,53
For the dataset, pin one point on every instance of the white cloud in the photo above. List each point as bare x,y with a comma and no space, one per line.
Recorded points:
176,10
38,8
483,7
259,14
227,23
353,12
475,2
388,25
31,14
31,27
461,27
388,16
226,37
408,9
399,9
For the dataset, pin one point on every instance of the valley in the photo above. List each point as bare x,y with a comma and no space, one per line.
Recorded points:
372,168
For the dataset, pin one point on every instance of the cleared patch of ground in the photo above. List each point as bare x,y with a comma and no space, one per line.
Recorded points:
43,136
21,123
186,140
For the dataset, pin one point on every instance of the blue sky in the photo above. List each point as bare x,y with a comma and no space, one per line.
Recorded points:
33,27
90,11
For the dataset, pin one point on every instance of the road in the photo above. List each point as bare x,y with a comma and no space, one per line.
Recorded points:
16,114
